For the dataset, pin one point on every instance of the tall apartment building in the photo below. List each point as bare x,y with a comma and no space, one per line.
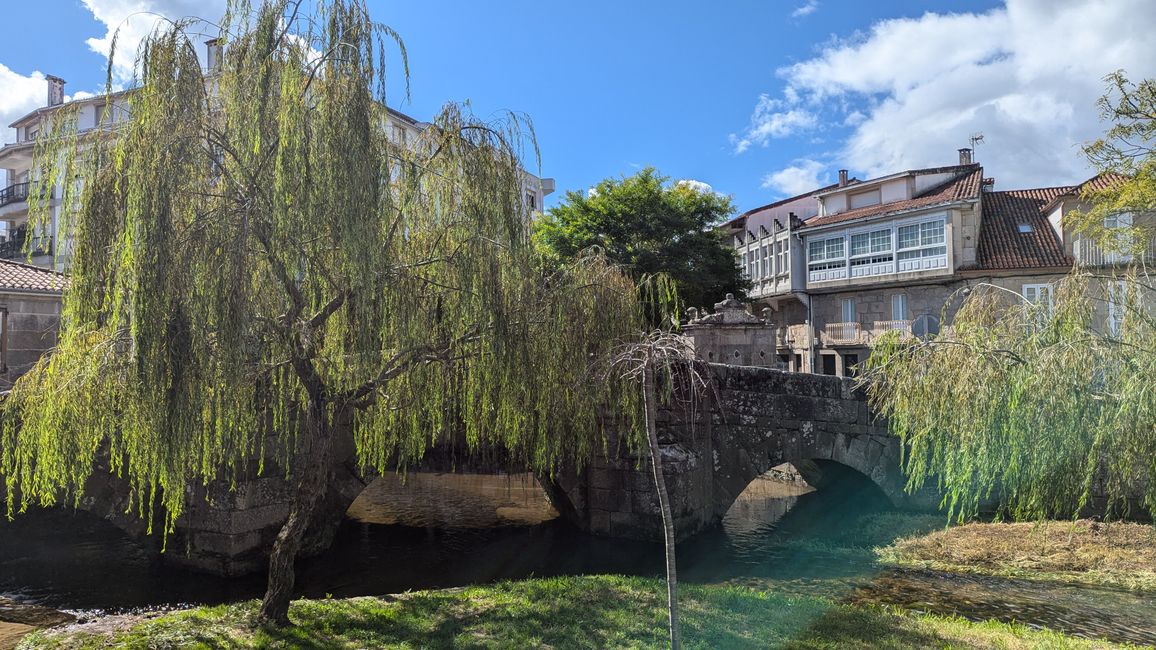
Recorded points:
102,115
862,258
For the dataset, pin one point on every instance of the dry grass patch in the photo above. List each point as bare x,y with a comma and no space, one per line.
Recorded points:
1114,554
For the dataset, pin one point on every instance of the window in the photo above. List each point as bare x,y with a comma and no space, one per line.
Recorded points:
1117,306
1039,299
1119,243
848,310
766,260
922,246
850,365
532,200
871,253
1025,228
899,306
864,199
826,259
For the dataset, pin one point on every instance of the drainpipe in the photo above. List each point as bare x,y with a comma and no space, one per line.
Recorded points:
811,338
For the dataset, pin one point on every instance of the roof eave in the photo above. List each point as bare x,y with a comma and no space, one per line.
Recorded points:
807,229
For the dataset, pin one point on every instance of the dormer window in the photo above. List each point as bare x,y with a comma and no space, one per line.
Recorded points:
864,199
1025,228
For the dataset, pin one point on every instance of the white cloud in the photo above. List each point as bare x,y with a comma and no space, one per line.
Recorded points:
806,9
697,186
803,176
20,94
135,19
911,91
774,118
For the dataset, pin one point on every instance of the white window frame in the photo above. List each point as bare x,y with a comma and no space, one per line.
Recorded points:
924,261
873,262
827,267
847,310
1117,306
899,306
1035,292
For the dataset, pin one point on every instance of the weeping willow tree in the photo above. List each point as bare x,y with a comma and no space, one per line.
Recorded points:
663,365
252,255
1040,407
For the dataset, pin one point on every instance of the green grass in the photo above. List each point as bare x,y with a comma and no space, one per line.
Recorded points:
571,612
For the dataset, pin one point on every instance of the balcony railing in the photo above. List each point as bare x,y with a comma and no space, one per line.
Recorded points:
881,327
1089,253
14,249
14,193
843,333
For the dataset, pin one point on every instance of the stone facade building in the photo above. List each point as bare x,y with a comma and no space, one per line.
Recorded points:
841,265
29,317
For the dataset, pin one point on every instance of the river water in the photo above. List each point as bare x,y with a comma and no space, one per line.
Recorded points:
449,530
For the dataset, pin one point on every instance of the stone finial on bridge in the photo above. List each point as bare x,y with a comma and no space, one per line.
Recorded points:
733,335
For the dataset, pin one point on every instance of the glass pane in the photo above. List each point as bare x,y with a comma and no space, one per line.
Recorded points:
899,306
860,244
834,248
815,250
931,232
880,241
908,236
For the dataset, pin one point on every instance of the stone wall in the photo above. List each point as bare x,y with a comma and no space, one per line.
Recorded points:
755,419
30,325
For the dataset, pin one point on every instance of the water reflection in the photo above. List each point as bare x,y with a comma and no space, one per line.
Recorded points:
434,531
453,501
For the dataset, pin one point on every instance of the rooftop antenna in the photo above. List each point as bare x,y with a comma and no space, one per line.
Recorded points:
976,138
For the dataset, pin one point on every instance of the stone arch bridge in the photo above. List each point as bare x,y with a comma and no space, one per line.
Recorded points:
757,418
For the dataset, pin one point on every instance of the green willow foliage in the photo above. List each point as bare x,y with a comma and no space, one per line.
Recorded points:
250,251
1038,409
1032,409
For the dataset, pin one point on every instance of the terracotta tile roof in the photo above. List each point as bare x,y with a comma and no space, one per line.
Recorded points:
1003,246
1101,182
19,277
964,186
1098,183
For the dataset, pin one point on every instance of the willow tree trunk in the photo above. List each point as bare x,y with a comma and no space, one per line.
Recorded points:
650,404
312,473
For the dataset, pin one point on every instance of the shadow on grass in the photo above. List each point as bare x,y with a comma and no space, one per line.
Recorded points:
570,612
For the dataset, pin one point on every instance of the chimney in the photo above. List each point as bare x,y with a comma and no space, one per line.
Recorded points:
213,55
842,178
55,90
965,156
988,185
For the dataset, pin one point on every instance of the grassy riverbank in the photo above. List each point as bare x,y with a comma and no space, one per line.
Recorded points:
1111,554
574,612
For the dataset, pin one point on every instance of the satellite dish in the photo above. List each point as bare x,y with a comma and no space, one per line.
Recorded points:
925,326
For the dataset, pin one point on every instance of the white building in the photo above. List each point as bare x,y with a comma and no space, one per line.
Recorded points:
103,113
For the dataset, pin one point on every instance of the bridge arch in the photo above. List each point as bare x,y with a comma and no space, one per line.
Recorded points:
758,418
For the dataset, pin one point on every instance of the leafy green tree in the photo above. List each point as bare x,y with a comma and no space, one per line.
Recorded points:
1041,407
253,258
651,226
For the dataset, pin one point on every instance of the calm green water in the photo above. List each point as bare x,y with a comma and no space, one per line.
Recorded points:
443,531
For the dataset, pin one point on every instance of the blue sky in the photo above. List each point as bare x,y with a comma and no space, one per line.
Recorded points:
758,99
